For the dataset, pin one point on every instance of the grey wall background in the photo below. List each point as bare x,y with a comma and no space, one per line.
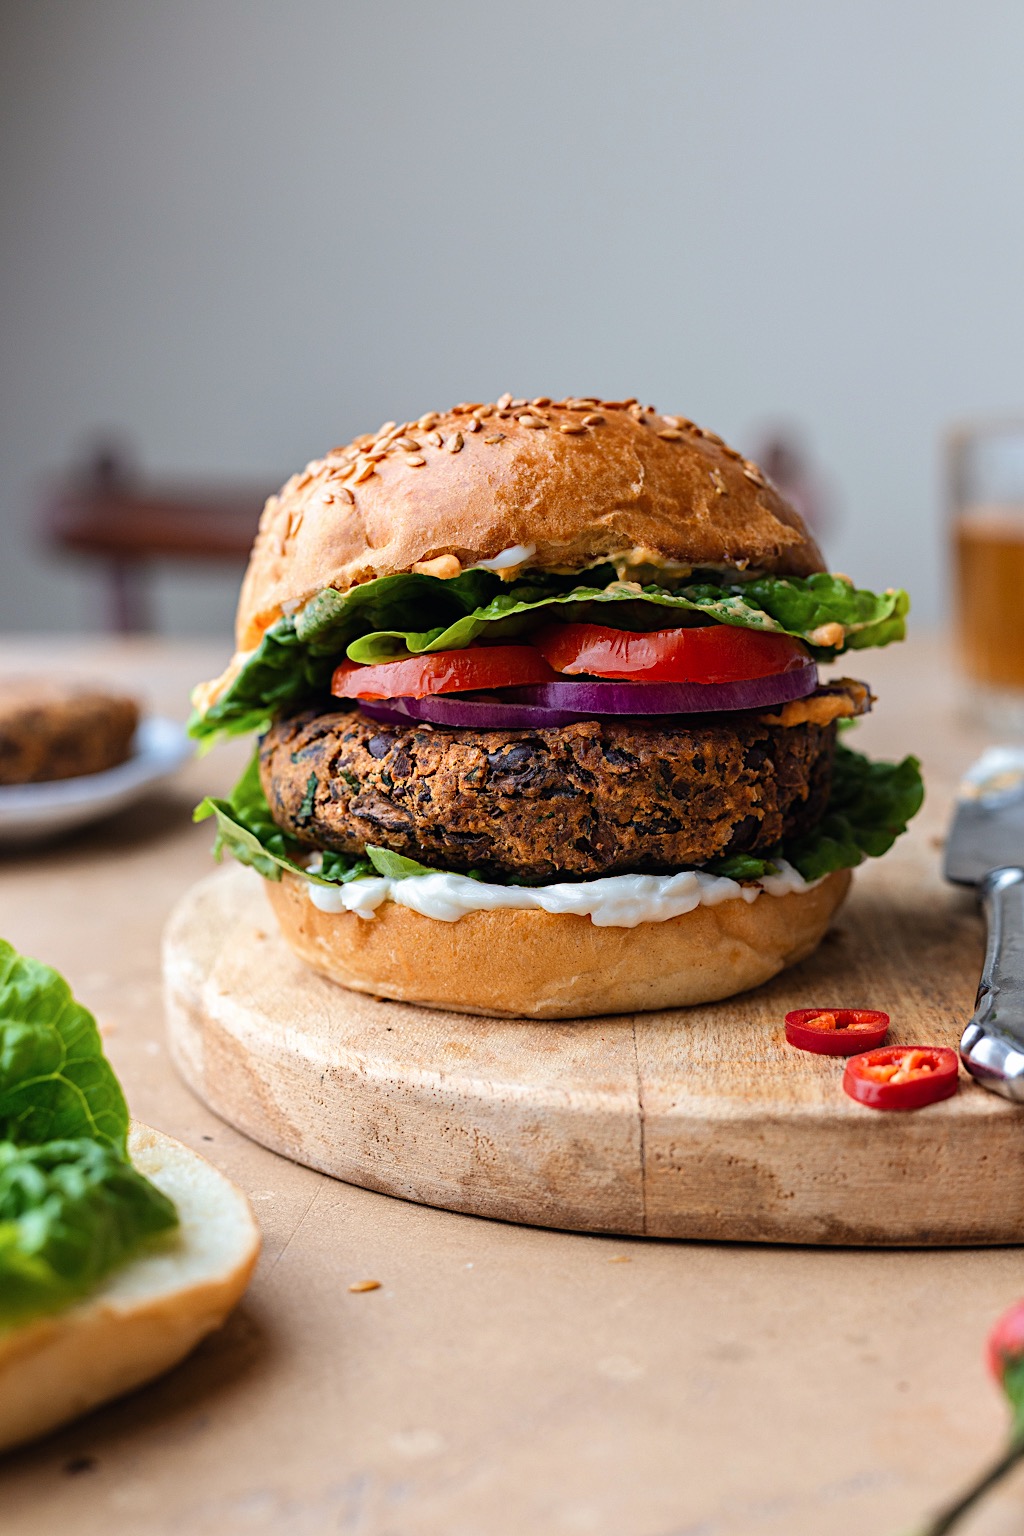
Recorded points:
238,232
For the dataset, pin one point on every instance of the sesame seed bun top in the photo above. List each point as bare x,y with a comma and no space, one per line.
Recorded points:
572,483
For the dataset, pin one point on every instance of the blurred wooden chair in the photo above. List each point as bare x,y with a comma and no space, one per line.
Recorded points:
109,513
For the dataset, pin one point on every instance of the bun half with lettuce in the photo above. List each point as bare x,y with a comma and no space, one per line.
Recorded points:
119,1248
541,726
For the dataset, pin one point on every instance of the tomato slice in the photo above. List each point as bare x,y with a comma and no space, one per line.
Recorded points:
488,666
836,1031
717,653
902,1076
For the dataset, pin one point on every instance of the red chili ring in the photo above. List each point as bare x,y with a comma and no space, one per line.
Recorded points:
903,1076
842,1032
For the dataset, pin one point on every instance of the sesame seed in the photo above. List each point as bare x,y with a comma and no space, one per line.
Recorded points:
455,443
435,439
482,412
713,437
572,427
752,472
541,401
364,471
428,421
365,1285
681,423
473,424
375,454
718,480
327,496
504,401
670,435
303,481
389,426
408,443
517,405
495,437
415,460
529,421
593,421
344,494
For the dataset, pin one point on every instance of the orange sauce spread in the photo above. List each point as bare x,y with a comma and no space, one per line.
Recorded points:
823,708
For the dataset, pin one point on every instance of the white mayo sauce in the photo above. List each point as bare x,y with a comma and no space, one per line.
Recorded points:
506,558
617,901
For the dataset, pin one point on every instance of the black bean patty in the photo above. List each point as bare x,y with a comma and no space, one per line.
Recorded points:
596,798
54,730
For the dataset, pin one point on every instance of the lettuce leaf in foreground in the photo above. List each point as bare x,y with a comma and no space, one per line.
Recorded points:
55,1082
868,809
70,1212
72,1207
396,616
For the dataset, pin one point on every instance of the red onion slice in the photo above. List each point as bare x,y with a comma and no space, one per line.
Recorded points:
596,696
484,711
555,704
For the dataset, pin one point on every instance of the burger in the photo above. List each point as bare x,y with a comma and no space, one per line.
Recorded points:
540,725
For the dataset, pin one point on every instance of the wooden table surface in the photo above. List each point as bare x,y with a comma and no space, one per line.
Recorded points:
503,1380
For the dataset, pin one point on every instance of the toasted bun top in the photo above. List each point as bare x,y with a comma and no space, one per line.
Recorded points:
574,482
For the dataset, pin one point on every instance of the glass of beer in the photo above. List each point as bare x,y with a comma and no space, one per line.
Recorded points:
986,492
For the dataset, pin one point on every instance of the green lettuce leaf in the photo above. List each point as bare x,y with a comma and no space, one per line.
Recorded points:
72,1207
70,1212
297,655
55,1082
773,605
395,865
396,616
868,809
247,831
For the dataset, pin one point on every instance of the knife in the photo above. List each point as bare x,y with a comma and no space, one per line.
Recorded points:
986,849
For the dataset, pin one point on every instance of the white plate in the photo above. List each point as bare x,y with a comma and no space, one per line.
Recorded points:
30,811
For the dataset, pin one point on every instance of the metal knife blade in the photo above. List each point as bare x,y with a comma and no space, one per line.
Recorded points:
986,849
988,823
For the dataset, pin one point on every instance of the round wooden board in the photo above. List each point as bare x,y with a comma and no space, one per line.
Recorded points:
698,1123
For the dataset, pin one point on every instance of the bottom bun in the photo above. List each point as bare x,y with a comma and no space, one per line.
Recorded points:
524,963
148,1314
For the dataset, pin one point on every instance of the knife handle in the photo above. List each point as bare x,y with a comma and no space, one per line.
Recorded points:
992,1047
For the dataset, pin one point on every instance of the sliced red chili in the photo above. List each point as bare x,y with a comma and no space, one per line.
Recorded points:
902,1076
836,1031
